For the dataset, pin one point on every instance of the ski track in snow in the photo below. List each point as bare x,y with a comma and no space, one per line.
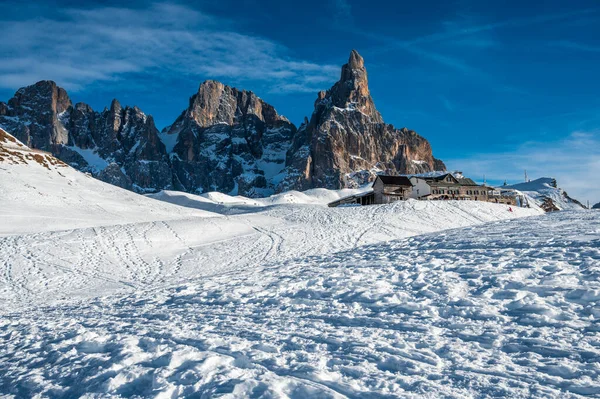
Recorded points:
305,301
88,262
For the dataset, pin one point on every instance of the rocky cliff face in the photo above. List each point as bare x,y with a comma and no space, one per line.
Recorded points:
228,140
43,117
34,115
346,141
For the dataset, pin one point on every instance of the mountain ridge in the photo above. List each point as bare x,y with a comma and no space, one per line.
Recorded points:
227,139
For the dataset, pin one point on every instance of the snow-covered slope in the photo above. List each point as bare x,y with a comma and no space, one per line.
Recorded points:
285,297
227,204
102,260
547,195
504,309
40,193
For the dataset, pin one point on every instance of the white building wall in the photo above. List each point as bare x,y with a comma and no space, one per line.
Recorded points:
420,188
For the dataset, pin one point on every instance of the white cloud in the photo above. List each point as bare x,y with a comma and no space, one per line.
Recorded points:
574,162
82,46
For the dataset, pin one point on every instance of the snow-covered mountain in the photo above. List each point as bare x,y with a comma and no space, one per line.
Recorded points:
38,192
546,194
227,140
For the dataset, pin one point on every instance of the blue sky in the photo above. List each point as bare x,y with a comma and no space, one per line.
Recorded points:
496,88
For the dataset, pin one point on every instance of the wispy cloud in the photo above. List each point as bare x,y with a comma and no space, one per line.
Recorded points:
573,161
446,103
464,32
343,12
565,44
476,42
82,46
458,31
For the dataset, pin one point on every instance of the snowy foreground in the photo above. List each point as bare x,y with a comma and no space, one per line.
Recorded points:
106,293
507,308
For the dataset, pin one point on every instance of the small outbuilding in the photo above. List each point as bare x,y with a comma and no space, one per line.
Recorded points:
391,189
365,198
385,189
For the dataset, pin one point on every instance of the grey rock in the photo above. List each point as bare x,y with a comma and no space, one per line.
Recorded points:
114,175
43,117
229,140
35,115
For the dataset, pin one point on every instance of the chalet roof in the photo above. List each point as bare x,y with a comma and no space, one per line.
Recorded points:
441,180
465,181
394,180
434,178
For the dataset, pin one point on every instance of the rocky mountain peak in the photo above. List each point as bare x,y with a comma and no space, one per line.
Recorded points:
43,117
44,94
347,142
228,140
355,61
115,106
351,92
216,103
40,104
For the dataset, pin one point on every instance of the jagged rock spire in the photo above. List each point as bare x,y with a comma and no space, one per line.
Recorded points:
352,90
346,140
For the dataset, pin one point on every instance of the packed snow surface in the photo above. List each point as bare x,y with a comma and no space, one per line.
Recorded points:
503,309
100,260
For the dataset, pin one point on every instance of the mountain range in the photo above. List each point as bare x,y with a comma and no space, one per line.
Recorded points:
227,140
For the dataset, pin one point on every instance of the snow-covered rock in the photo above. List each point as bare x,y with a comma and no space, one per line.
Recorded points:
43,117
545,193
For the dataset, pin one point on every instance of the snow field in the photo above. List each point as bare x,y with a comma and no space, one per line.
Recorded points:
36,199
503,309
60,265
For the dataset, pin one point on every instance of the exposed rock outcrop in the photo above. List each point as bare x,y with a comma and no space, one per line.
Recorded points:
346,141
43,117
597,206
114,175
35,115
228,140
